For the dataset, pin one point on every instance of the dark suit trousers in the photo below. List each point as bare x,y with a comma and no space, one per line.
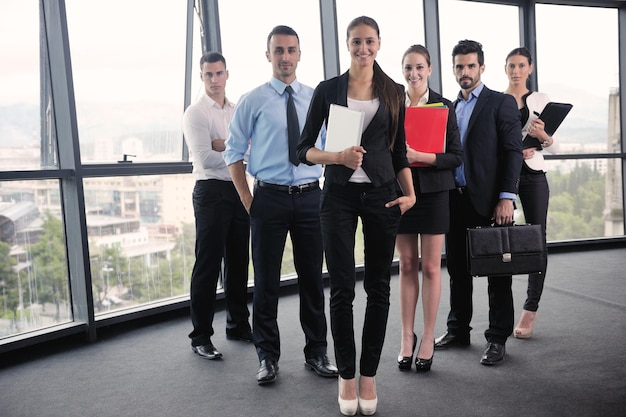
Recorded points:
534,194
222,232
341,208
272,215
501,316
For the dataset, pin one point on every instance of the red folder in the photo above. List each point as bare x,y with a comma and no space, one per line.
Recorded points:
425,129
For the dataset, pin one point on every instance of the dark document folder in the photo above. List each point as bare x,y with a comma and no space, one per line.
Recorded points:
552,115
425,129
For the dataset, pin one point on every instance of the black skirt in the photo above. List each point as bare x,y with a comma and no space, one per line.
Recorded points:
430,215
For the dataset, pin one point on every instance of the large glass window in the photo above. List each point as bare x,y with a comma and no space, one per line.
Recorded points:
141,238
128,63
586,128
585,199
21,121
586,194
476,21
128,67
398,31
34,289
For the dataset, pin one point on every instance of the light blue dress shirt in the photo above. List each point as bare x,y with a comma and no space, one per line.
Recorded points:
463,110
260,122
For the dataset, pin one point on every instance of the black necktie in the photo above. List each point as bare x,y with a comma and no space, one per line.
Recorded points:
293,127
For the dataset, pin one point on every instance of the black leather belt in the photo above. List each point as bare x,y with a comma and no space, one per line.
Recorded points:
290,189
461,190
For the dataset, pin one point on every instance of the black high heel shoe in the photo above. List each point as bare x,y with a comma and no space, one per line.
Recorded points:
423,365
404,362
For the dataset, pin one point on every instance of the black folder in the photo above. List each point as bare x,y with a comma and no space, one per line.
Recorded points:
552,115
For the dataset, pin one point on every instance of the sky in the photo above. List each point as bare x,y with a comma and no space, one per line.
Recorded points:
495,26
114,56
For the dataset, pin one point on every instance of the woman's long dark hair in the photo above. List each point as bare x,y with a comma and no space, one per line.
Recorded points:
383,86
523,51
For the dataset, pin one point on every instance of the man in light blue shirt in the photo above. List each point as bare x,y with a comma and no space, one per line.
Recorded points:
286,199
260,123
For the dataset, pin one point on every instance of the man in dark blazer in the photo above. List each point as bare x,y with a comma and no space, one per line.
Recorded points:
487,183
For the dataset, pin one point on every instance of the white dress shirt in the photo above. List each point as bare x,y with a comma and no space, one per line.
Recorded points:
203,122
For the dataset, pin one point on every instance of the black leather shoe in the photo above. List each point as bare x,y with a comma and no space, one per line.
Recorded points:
494,354
267,373
450,340
404,362
243,335
207,351
321,365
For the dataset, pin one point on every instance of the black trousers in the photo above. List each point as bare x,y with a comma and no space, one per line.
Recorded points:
534,195
341,208
272,215
222,233
501,315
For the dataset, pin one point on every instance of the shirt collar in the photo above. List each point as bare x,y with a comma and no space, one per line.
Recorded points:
280,86
474,94
422,101
212,103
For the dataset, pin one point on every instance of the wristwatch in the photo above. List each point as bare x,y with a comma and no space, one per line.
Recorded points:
545,143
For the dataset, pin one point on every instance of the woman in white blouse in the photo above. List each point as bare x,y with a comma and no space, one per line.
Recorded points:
534,192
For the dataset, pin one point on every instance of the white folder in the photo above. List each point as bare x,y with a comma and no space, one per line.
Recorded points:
344,128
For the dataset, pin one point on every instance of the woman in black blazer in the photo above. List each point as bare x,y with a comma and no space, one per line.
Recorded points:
534,192
429,218
360,182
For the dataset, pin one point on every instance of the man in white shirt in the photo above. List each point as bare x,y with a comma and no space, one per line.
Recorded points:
222,222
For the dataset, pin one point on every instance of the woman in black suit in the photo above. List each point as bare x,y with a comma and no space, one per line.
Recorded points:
534,192
360,182
429,218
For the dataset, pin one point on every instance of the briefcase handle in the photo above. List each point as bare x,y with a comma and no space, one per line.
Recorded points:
493,224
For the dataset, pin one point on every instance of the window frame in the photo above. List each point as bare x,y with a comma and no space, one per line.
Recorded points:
71,172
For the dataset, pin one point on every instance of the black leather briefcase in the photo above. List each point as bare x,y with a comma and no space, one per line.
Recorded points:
505,250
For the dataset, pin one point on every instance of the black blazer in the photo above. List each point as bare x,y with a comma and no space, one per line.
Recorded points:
492,152
381,163
441,176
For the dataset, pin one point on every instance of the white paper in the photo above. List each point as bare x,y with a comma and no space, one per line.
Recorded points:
344,129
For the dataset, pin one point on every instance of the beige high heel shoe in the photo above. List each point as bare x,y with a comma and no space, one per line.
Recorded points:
347,407
368,407
524,328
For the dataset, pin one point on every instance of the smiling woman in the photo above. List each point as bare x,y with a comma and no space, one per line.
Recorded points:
360,183
398,29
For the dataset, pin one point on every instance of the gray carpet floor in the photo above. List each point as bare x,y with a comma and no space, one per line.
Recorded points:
573,366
